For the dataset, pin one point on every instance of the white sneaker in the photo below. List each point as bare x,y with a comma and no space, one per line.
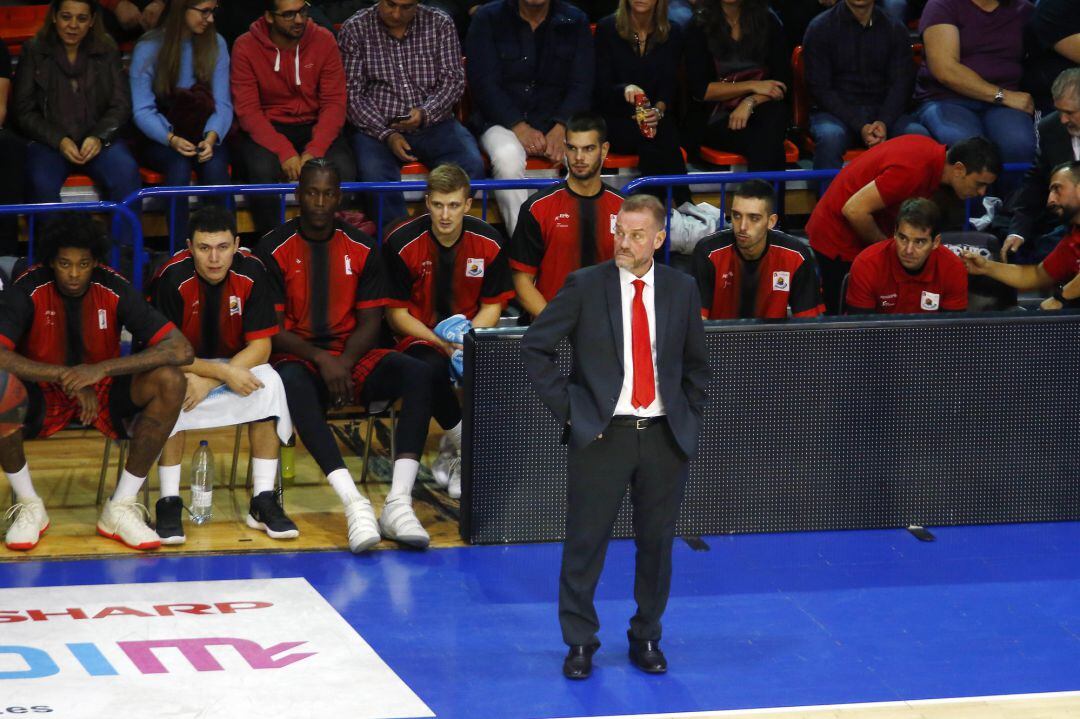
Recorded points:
398,522
363,529
440,468
125,521
453,488
29,524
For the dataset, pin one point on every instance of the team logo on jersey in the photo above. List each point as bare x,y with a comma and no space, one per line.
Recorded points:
930,301
562,220
102,320
781,281
726,280
234,305
474,267
348,265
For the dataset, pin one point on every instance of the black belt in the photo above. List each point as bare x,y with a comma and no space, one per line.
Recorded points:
629,420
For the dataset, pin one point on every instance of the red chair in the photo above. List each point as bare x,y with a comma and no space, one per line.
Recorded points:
726,159
18,23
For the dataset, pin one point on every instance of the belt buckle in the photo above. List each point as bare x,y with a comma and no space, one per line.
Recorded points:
641,423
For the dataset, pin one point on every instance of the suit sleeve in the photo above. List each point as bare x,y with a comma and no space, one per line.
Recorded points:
538,353
1029,202
696,370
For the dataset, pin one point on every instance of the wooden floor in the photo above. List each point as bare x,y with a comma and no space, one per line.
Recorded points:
65,469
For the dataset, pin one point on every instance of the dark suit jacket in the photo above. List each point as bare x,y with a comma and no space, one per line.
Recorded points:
1030,218
588,311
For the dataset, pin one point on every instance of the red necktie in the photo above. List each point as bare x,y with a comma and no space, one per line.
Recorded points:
641,348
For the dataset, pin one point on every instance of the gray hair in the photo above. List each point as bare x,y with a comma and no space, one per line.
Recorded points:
1067,83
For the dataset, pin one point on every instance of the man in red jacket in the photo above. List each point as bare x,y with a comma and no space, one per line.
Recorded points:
288,90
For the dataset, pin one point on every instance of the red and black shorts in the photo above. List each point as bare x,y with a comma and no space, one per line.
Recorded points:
404,343
50,408
360,371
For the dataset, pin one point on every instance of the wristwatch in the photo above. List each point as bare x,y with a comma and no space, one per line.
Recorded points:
999,97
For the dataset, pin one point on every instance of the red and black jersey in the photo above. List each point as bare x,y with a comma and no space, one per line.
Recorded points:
559,231
218,320
44,325
435,282
783,278
1064,262
320,285
879,283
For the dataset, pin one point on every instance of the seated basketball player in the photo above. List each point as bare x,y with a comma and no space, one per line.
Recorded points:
441,264
219,297
330,292
60,333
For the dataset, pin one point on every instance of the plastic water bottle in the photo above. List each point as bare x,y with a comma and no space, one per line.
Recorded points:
202,484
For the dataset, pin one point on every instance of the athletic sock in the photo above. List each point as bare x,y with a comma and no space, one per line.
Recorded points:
263,475
343,484
169,479
128,486
21,484
403,479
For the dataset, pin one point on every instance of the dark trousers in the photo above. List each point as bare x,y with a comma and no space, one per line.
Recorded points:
177,171
651,463
833,272
258,165
445,407
761,142
660,155
395,376
12,167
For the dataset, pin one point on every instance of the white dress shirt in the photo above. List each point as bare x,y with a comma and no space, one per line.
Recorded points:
1076,148
626,286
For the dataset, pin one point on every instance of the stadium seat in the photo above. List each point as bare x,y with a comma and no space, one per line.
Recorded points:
726,159
18,23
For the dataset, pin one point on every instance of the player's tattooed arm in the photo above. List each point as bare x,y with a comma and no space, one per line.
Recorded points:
172,351
28,370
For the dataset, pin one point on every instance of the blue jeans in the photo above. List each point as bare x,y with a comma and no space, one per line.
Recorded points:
177,171
114,170
897,9
832,138
1013,131
680,12
447,141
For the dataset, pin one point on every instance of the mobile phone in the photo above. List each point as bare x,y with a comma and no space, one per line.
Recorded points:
398,118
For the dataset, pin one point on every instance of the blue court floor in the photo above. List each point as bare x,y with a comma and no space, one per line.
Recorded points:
754,621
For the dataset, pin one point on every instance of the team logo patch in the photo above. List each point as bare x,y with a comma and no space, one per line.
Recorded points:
348,265
930,301
781,281
234,305
562,220
102,320
474,267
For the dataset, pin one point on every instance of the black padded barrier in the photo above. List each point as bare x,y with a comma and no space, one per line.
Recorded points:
814,425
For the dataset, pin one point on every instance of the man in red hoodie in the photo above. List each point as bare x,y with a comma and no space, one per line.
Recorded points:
288,90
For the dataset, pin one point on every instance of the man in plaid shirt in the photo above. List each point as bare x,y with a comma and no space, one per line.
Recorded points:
404,75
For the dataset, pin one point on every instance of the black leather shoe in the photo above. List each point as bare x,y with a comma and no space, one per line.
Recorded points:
645,654
578,662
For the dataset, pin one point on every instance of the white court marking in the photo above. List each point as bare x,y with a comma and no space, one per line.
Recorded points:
172,650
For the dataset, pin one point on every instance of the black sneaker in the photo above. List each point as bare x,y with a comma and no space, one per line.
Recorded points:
266,514
170,528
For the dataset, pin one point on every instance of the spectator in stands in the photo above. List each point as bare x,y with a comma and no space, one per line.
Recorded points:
970,83
798,14
1059,269
911,272
12,161
638,52
530,67
328,354
860,206
860,75
73,371
738,71
570,225
751,270
181,101
219,296
72,101
404,76
1054,46
441,264
1059,141
289,92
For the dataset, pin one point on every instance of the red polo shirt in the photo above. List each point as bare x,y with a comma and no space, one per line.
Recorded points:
1064,262
907,166
878,281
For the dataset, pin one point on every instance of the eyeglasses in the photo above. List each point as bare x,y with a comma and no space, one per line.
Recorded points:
290,15
205,12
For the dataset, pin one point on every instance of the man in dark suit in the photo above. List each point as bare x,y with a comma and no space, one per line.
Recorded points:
632,412
1034,230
